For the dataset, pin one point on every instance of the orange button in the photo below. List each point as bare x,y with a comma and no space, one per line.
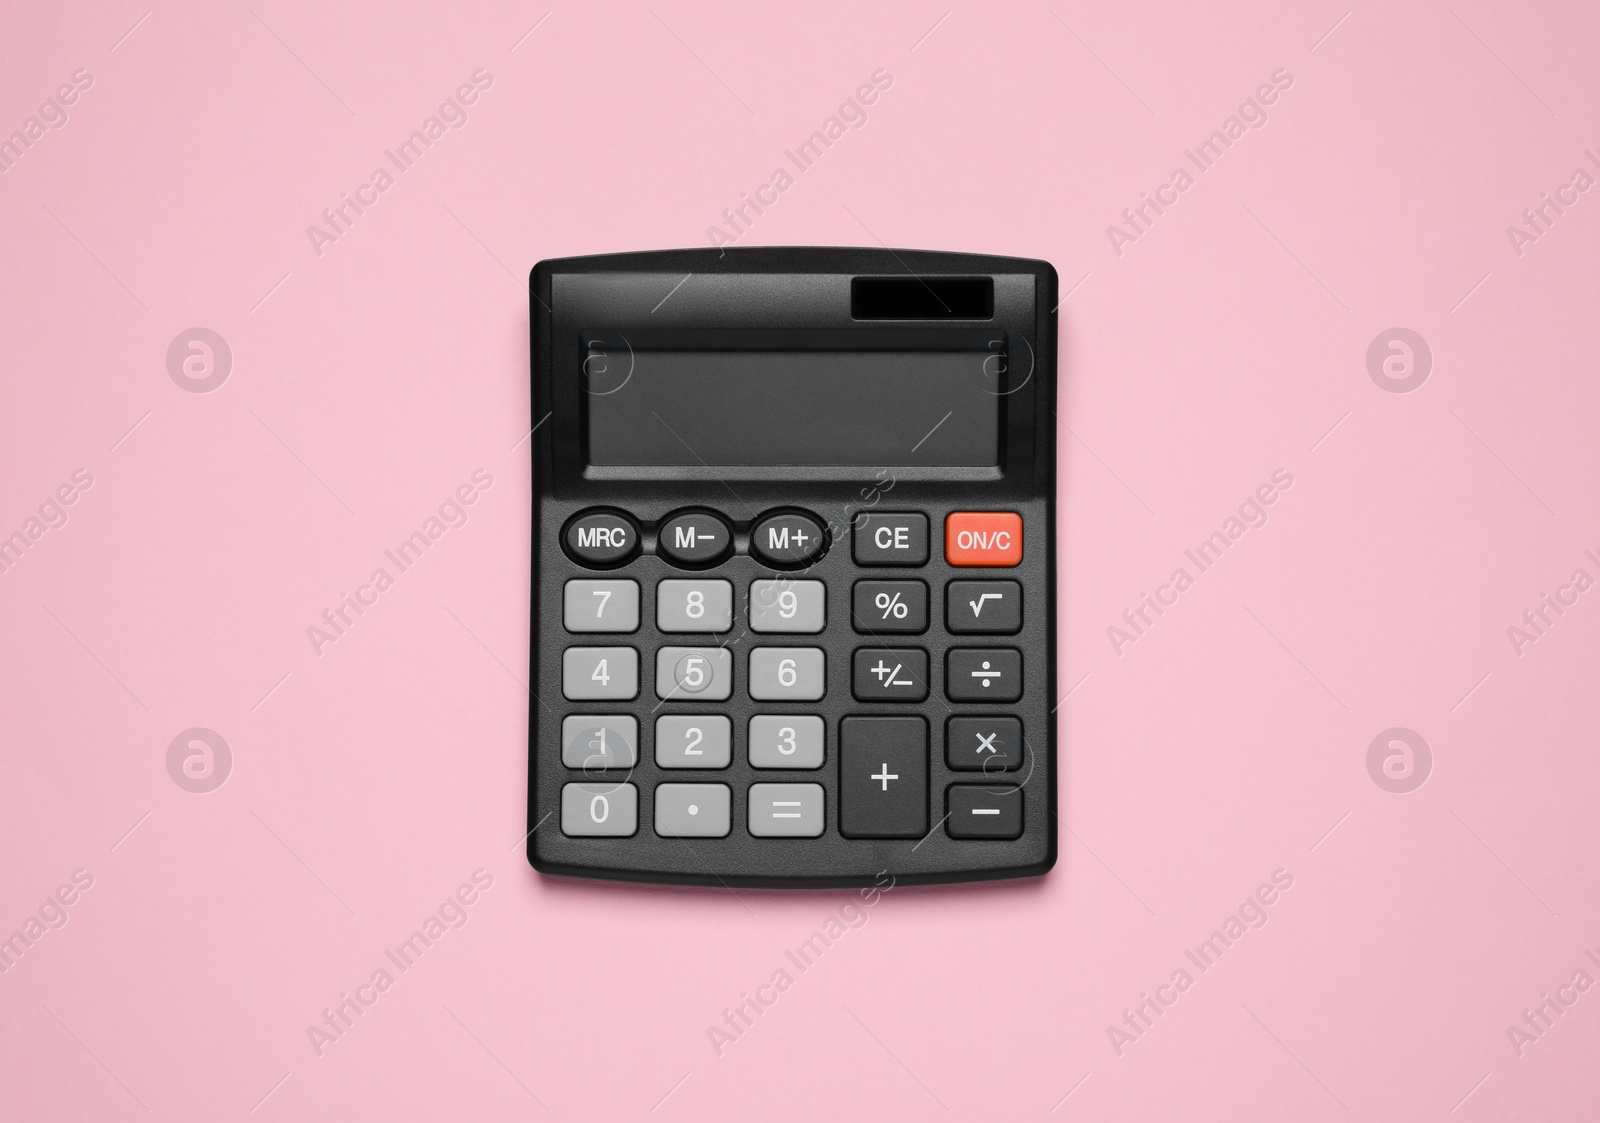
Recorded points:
983,538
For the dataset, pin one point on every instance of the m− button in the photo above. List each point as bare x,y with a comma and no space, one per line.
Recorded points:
601,539
694,539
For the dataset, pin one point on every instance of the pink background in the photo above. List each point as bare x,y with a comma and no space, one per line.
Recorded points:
1228,742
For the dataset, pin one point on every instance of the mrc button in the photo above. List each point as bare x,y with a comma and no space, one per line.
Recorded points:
890,539
787,540
693,538
991,538
600,539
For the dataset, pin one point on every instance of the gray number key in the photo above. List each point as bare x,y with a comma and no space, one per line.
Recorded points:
788,606
598,673
599,810
601,606
590,742
694,741
694,606
694,674
786,741
787,674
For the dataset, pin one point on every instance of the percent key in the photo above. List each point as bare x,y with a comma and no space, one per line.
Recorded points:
889,608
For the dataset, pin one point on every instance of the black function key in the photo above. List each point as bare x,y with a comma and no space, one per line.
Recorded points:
883,777
692,539
891,539
601,539
889,607
889,674
983,607
788,540
982,811
983,744
983,674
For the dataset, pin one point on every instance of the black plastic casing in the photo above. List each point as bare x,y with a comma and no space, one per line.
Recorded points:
788,298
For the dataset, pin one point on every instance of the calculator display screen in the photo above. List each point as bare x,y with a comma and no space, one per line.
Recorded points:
803,408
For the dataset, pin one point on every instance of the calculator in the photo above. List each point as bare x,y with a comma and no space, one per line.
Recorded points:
793,601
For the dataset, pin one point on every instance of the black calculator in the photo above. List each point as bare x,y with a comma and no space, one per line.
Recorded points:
793,606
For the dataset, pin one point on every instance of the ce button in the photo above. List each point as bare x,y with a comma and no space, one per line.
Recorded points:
884,538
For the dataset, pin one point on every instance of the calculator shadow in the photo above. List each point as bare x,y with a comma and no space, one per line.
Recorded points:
572,888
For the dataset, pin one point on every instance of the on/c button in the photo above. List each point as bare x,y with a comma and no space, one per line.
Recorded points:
988,538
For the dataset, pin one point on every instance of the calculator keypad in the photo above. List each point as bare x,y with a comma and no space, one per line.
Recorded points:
894,771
